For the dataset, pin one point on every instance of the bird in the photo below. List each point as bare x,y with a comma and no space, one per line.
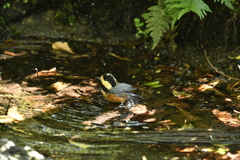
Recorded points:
114,91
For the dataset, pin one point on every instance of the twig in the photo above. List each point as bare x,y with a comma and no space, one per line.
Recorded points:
121,58
205,53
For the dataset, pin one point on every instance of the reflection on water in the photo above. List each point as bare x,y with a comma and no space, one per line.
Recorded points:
61,135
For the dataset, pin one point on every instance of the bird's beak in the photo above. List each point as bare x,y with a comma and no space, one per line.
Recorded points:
98,78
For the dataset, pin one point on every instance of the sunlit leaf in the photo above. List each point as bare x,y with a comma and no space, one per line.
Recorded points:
14,113
6,119
57,86
9,53
238,57
188,149
151,83
157,86
222,151
62,46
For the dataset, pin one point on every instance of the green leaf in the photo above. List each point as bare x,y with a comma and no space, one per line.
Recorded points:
157,24
157,86
145,16
154,84
151,83
136,20
227,3
182,12
178,8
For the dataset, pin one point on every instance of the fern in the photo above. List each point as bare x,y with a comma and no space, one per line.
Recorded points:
227,3
168,12
177,8
157,24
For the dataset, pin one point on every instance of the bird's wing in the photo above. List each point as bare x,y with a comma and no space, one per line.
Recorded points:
123,88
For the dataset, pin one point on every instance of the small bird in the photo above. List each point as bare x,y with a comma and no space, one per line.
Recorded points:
114,91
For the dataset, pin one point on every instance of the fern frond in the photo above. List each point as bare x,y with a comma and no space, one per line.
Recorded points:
227,3
177,8
156,24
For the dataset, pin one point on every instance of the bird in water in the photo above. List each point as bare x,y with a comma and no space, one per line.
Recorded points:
116,92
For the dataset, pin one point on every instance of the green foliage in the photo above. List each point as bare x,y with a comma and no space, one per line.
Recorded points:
2,22
227,3
65,18
178,8
140,26
7,5
71,19
154,84
157,23
168,12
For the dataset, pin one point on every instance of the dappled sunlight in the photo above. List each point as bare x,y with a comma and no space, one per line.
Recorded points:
227,118
62,99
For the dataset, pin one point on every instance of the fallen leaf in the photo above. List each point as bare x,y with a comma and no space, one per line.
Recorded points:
238,57
45,73
150,120
57,86
6,119
186,65
168,68
181,94
4,90
62,46
188,149
138,109
234,156
204,87
226,118
13,112
9,53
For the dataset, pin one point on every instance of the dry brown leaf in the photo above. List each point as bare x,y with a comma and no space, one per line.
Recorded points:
138,109
188,149
235,156
6,119
204,87
186,65
4,90
150,120
226,118
13,112
57,86
62,46
45,73
202,80
9,53
214,83
54,69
